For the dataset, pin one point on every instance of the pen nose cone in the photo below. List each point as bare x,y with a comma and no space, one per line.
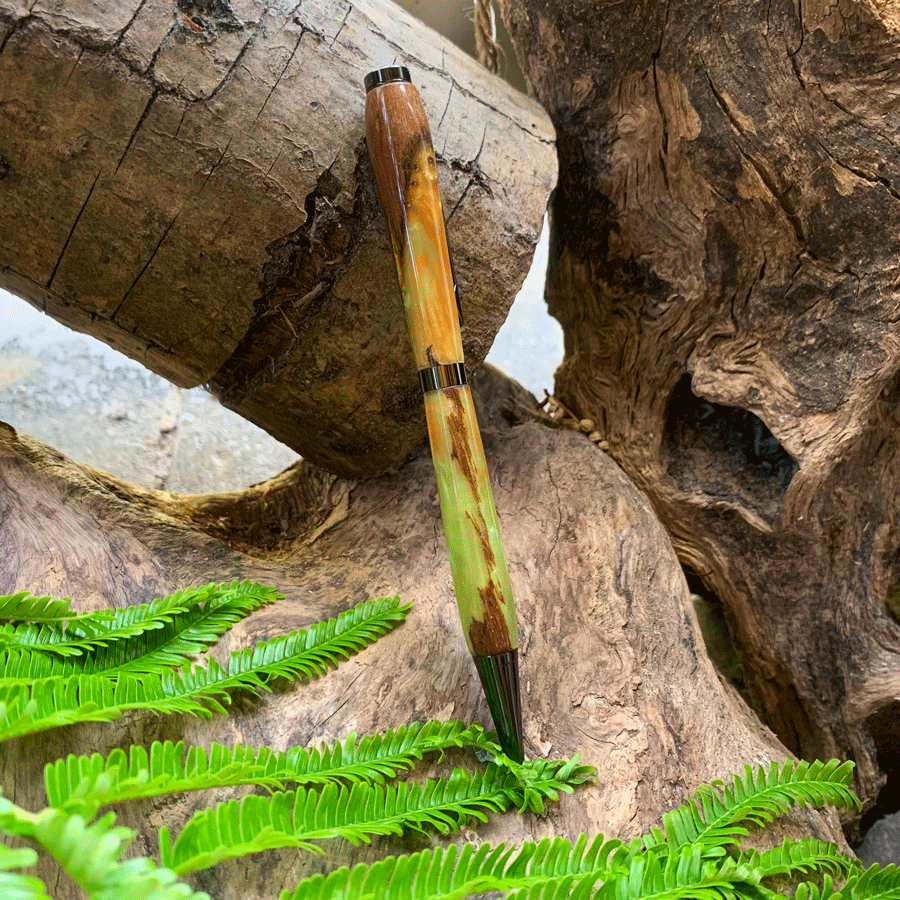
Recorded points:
500,679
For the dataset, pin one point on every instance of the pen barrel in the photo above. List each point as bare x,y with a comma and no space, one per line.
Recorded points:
477,562
400,147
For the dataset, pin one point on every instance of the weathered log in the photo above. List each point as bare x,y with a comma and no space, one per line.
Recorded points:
189,183
724,247
613,665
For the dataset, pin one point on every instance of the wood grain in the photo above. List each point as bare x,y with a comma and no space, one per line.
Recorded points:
724,264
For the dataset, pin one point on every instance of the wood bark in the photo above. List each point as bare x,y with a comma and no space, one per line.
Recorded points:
613,665
188,182
724,247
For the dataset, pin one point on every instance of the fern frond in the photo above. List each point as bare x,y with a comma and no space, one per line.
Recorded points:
808,890
90,630
297,818
542,779
25,709
30,635
22,607
195,615
802,857
682,872
313,651
15,820
184,635
24,667
552,867
16,885
91,853
719,813
873,884
92,781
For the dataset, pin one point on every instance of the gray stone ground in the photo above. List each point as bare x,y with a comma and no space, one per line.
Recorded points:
99,407
882,843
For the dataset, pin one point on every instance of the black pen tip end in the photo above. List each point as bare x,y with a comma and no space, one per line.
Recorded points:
500,679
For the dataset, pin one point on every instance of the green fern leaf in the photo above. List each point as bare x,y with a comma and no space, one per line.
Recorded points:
91,853
549,777
88,782
15,820
683,872
802,857
874,883
189,620
297,818
15,885
184,635
547,870
445,872
25,709
324,645
89,631
24,667
719,813
811,891
22,607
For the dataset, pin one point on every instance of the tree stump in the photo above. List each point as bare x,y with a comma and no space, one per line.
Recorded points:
613,665
723,262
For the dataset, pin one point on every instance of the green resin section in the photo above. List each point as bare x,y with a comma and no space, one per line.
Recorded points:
477,562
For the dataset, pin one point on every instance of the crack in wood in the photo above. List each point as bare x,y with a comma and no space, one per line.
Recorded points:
141,119
145,267
278,79
72,231
341,27
297,283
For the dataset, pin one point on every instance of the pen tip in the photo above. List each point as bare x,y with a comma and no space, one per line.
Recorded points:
500,679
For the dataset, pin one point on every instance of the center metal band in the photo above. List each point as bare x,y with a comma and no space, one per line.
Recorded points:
436,378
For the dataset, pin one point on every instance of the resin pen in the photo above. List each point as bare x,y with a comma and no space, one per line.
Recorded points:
399,142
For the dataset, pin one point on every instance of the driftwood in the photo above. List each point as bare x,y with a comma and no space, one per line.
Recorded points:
718,265
189,183
613,665
724,264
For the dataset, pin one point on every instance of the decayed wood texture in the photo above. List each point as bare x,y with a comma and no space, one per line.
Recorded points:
188,182
613,666
724,262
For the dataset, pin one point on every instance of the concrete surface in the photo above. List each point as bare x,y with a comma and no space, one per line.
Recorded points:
99,407
882,842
